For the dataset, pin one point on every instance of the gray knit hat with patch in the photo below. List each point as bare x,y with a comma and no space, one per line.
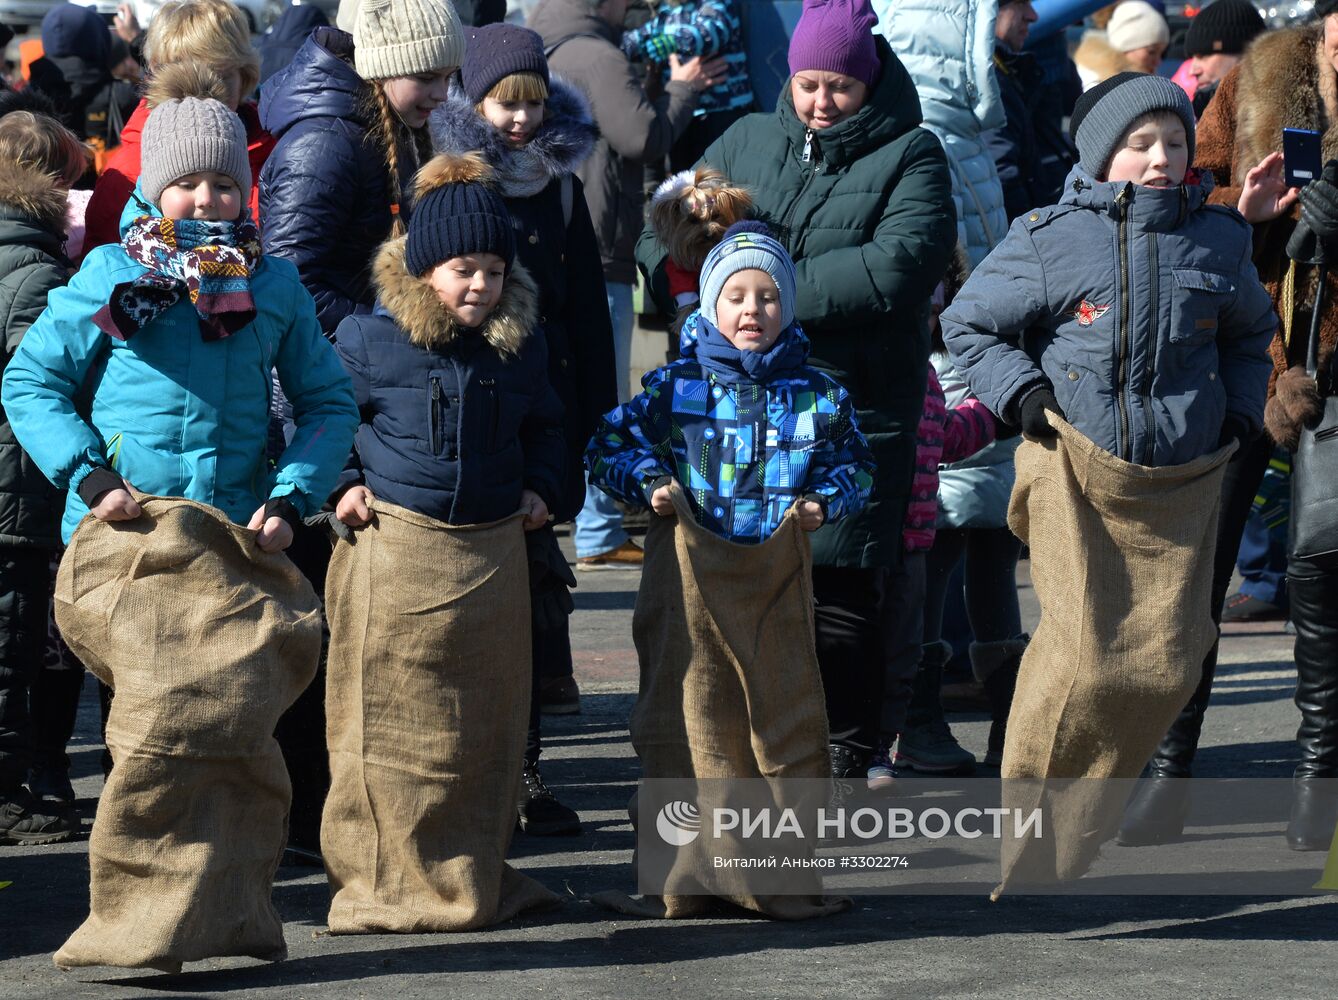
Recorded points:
1103,115
188,136
404,37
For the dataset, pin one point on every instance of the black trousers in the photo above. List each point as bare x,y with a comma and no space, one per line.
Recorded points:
24,583
990,577
551,657
850,624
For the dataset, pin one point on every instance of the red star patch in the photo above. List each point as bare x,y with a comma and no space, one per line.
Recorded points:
1086,314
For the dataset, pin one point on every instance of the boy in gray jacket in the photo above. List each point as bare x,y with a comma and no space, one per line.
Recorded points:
1131,308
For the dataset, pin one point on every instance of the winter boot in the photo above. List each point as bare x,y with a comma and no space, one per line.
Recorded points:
927,744
1314,813
995,665
25,821
55,704
1159,807
538,810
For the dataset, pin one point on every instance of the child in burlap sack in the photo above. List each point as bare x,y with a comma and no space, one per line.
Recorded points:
1125,332
741,449
741,422
173,333
429,676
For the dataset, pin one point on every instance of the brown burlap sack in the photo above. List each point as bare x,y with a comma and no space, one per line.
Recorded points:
206,641
730,686
1122,563
427,704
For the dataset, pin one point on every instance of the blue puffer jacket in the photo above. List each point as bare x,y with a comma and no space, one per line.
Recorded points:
173,414
455,422
746,434
325,200
1139,306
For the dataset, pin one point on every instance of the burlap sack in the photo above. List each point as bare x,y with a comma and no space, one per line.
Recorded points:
1122,564
206,641
730,686
427,704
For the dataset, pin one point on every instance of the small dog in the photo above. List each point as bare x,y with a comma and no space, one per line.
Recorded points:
690,212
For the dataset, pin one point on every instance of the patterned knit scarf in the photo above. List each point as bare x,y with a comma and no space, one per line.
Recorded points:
211,262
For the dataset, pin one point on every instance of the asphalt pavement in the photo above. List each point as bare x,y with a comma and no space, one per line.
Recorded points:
917,946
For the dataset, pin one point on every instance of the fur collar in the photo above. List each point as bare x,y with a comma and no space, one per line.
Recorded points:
1285,82
29,193
563,142
1098,56
416,310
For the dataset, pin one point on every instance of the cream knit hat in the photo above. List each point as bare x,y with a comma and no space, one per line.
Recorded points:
189,136
404,37
1136,24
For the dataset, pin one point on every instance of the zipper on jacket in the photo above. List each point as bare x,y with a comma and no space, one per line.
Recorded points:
1122,369
434,417
808,145
1151,373
494,414
784,234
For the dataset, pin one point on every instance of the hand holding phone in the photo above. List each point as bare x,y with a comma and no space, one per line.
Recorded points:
1301,156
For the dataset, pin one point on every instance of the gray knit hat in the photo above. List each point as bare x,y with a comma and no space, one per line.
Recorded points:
404,37
743,248
190,135
1103,115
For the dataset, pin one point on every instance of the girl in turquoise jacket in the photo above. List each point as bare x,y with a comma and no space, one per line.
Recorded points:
152,367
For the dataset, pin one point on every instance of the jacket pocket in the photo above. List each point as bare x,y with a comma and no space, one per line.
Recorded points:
1197,303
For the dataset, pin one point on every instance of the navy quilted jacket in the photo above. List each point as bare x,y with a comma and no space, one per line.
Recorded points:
455,422
325,202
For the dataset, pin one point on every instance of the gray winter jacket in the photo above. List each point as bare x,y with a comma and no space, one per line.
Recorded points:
1139,307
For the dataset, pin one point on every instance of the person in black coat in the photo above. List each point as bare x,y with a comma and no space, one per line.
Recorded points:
281,43
75,73
535,131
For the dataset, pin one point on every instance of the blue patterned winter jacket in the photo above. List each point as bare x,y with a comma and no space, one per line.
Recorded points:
706,28
746,434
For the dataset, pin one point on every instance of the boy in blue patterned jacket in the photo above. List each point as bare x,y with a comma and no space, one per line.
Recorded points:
741,421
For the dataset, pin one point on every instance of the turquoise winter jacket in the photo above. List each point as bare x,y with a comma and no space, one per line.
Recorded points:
172,414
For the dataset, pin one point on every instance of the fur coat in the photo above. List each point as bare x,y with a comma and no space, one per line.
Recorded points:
1283,81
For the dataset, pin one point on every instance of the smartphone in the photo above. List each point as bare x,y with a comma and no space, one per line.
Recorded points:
1300,156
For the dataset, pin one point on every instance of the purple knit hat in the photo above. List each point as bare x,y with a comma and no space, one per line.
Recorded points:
837,36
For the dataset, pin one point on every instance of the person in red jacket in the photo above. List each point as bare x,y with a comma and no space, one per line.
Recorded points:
215,34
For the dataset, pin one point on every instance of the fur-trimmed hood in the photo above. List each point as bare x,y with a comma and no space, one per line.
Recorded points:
416,310
1285,82
29,195
563,142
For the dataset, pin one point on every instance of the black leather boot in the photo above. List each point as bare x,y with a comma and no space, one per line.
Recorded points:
1159,806
1314,602
995,665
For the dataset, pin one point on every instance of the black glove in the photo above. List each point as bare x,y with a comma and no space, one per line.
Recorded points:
1031,414
551,580
1235,428
327,522
1319,218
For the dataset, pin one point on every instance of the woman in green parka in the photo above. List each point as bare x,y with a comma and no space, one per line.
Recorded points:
861,198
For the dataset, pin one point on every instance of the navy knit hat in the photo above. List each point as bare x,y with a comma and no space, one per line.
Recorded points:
494,52
71,30
456,212
740,249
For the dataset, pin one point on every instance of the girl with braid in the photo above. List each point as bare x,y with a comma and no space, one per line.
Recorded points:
350,115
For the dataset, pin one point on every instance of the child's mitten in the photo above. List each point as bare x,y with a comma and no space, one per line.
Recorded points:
657,48
1031,414
551,580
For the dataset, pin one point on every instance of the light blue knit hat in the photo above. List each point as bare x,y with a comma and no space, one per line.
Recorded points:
740,249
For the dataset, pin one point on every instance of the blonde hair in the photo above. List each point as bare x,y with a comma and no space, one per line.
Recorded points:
388,130
43,143
519,87
213,32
